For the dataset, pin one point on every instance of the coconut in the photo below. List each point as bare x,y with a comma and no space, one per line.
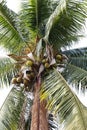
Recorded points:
19,80
29,63
47,65
26,82
44,60
14,81
59,57
27,50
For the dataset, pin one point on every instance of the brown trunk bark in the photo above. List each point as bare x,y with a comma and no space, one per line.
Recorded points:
39,112
43,122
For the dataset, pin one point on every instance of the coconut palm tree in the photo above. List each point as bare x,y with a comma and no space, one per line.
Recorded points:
39,68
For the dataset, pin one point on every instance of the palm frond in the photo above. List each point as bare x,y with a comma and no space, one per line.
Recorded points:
7,70
77,57
76,77
74,74
60,8
62,100
35,12
10,110
79,61
11,36
75,52
53,124
65,23
25,115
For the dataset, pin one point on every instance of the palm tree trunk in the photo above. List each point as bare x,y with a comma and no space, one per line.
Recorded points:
39,112
43,116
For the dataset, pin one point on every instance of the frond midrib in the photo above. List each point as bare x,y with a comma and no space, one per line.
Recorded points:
75,98
78,68
6,20
36,14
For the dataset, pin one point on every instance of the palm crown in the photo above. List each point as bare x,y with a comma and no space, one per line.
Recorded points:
34,38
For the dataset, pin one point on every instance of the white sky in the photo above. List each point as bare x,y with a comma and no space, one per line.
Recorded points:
15,6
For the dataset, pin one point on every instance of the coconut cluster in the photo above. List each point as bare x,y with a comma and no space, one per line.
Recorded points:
32,66
26,75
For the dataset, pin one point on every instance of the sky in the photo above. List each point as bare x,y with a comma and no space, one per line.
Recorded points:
15,6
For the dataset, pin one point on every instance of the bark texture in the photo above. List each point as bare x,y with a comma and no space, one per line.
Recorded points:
39,119
43,125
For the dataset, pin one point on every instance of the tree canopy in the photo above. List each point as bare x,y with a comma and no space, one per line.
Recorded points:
36,39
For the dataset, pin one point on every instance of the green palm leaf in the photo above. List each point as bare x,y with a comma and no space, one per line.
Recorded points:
10,110
79,61
74,74
7,70
11,36
25,115
77,57
62,99
64,24
35,12
75,52
60,8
